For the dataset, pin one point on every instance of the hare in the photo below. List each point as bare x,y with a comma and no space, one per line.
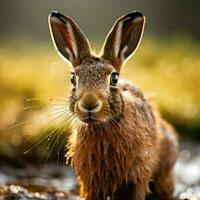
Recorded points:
121,148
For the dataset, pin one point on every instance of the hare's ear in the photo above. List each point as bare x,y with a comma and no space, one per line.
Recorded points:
123,39
68,39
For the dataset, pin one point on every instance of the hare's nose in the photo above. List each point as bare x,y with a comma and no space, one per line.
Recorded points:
89,102
90,107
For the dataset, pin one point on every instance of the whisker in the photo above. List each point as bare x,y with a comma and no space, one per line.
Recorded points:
34,99
28,107
56,113
26,121
54,143
34,146
52,120
18,124
64,140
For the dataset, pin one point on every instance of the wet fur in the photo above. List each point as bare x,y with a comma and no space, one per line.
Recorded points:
119,158
128,153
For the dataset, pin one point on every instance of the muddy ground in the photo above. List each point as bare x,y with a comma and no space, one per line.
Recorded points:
58,182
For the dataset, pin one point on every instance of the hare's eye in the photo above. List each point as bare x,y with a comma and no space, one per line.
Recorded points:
114,78
73,79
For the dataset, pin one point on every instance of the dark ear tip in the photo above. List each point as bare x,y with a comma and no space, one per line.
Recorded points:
137,14
134,15
56,14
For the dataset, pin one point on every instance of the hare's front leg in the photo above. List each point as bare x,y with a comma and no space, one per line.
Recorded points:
132,192
163,186
90,194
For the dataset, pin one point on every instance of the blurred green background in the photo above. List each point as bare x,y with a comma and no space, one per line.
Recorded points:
34,81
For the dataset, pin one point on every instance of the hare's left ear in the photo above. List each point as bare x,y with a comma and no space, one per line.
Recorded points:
124,38
68,38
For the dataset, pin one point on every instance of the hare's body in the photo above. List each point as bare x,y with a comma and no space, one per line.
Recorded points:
121,148
119,158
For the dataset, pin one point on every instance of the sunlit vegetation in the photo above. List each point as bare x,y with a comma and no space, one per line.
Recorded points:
34,89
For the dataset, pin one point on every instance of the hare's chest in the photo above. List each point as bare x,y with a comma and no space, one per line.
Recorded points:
108,160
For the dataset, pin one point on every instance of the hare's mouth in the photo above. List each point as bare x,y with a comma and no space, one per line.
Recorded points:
89,119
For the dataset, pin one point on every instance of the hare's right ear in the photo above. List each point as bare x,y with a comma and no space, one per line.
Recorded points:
123,39
68,39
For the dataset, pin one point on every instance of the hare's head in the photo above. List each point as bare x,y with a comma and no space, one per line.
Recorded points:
95,95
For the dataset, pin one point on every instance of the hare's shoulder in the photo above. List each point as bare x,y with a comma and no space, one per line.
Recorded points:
135,99
125,85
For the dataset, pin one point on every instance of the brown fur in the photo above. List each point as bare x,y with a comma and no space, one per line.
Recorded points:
121,148
125,152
